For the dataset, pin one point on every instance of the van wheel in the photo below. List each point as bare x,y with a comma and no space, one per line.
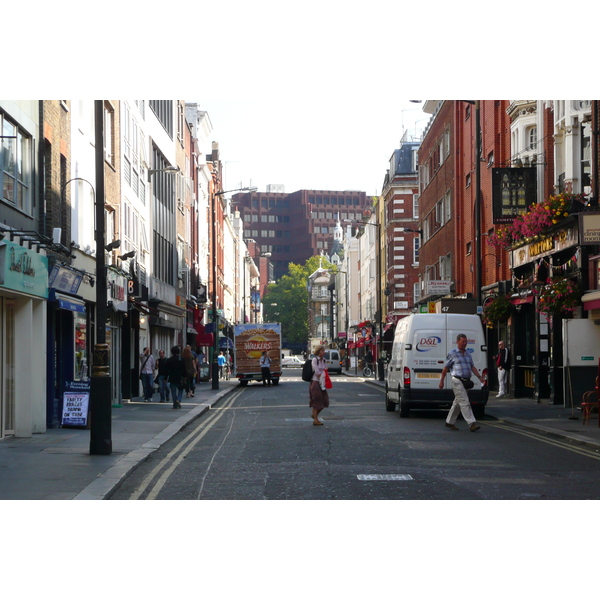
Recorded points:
243,382
389,405
275,381
404,409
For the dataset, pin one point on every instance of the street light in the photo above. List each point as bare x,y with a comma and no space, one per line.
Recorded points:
215,362
101,383
169,169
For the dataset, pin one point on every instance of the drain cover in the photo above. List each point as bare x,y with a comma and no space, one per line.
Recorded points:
392,477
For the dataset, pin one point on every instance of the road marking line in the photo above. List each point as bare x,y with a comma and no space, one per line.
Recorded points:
541,438
205,425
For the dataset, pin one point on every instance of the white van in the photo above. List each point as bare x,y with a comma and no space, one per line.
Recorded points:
421,344
334,361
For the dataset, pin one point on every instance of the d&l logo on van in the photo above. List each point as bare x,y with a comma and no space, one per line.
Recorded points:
428,343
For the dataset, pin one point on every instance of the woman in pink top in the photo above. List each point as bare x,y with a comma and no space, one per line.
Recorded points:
319,399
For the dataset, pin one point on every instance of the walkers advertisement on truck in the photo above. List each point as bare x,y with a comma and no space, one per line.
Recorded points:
251,340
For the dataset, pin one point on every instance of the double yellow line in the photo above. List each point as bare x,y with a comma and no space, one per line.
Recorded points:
589,452
167,465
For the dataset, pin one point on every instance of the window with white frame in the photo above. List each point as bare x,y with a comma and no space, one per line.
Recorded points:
109,132
16,172
446,267
447,207
416,292
415,206
416,246
532,138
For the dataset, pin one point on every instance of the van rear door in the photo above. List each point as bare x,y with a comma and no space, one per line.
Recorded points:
428,355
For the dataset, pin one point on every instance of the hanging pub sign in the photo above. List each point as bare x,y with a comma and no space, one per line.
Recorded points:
589,228
513,190
76,401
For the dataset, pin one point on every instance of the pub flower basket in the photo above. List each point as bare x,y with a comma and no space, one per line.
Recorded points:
559,296
537,220
497,311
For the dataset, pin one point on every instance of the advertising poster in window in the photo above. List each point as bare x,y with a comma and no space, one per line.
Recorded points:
76,402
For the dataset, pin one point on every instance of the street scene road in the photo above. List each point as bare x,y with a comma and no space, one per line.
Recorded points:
259,443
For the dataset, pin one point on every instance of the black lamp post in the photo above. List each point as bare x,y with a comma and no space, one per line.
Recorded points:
101,383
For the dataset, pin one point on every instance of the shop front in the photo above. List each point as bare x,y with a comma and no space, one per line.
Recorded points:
537,339
23,298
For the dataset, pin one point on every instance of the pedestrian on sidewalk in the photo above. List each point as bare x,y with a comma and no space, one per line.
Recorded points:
147,374
221,360
319,398
265,368
503,363
460,365
176,375
190,371
163,387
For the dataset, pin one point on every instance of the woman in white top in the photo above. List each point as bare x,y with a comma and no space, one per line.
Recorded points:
319,399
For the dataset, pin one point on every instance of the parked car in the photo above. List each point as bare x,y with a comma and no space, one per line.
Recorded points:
291,361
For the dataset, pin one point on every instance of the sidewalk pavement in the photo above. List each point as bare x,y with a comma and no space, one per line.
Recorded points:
57,465
554,419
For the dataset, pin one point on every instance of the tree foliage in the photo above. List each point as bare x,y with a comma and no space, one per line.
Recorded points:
286,301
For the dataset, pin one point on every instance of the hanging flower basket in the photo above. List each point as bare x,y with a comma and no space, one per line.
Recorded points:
559,296
497,311
537,220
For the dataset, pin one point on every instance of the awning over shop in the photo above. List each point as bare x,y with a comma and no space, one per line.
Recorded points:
68,302
591,300
205,339
516,300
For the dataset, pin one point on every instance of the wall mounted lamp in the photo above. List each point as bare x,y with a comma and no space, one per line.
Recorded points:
113,245
169,169
127,255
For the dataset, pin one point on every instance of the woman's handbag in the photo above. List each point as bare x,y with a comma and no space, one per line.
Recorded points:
328,384
182,383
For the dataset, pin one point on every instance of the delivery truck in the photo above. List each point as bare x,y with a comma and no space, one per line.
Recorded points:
250,341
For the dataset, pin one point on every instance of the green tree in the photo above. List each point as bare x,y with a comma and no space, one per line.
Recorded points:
286,301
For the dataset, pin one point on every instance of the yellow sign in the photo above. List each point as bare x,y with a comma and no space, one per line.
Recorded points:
431,307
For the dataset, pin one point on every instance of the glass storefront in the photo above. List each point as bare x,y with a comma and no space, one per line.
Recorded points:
7,367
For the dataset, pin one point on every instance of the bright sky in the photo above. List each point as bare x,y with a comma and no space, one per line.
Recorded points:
320,142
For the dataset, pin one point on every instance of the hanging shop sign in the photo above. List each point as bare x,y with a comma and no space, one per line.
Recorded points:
23,270
513,190
560,240
64,279
117,290
76,402
589,228
438,288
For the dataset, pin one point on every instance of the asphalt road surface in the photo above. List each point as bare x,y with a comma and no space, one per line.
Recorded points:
259,443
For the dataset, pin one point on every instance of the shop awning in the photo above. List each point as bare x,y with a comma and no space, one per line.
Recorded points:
516,300
205,339
191,331
69,302
591,300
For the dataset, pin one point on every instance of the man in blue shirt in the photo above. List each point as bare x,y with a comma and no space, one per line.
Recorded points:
460,365
222,361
